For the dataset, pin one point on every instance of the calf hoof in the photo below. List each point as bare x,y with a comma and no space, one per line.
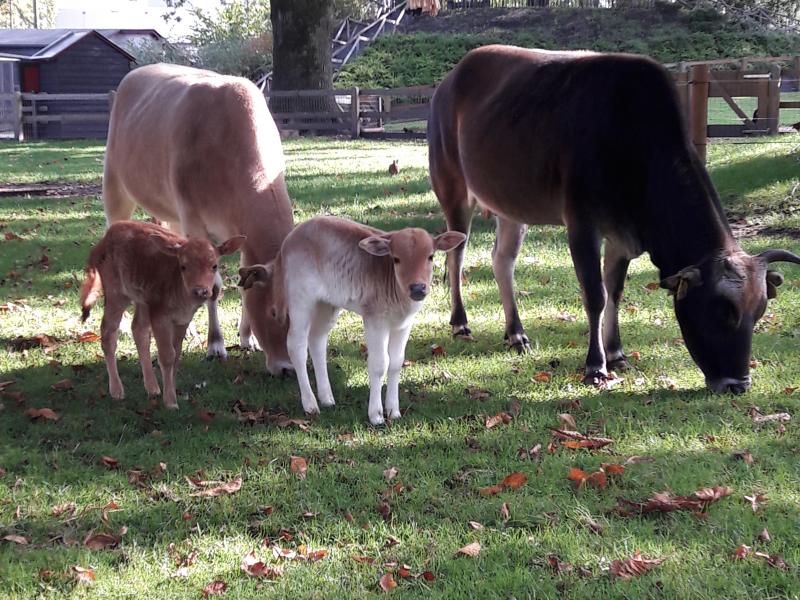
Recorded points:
152,389
216,351
310,407
327,400
463,332
249,343
377,420
117,391
619,364
171,405
518,342
394,415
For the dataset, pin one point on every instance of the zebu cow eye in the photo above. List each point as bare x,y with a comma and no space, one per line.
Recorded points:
183,267
396,261
214,268
430,258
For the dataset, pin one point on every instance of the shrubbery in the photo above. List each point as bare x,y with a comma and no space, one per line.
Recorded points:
667,36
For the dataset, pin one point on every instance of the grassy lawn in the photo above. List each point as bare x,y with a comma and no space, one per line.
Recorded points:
54,483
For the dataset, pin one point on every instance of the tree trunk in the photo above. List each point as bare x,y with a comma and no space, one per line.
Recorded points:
301,32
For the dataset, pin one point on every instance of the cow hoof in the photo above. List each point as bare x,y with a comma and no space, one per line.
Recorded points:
377,421
171,405
518,342
620,364
153,391
216,351
595,378
463,332
251,344
117,392
327,400
394,415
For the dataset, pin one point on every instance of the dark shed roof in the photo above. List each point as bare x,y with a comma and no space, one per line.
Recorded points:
45,44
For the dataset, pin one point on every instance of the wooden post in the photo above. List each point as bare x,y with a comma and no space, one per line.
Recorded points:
682,85
698,108
35,120
355,113
774,99
18,129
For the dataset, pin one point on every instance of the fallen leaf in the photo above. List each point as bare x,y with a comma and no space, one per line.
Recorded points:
789,390
475,393
100,541
744,455
567,419
652,286
576,440
63,385
41,413
764,536
110,462
782,417
472,550
256,568
215,588
668,502
387,582
756,500
88,337
500,417
635,460
390,473
227,488
404,572
514,480
612,468
532,453
67,508
427,576
773,560
82,574
741,551
476,525
437,350
542,377
17,539
364,560
580,478
634,566
106,509
299,466
557,565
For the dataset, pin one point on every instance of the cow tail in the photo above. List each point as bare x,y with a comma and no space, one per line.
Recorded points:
92,286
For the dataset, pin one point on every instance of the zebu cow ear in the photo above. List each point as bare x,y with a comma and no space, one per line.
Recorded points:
774,279
680,283
255,275
232,245
164,245
449,240
375,244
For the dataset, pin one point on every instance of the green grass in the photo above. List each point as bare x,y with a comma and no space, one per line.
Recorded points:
690,434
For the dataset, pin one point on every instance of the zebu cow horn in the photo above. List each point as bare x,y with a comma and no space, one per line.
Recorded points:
779,256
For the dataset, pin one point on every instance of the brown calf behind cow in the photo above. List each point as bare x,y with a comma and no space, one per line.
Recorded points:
166,277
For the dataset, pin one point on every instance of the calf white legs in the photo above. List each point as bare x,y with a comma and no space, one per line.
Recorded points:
308,333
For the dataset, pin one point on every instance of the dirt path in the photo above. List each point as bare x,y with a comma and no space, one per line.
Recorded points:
51,189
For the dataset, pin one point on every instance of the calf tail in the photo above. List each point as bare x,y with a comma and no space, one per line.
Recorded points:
92,286
280,306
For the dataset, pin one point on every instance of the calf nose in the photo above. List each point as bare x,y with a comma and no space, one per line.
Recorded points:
418,291
202,292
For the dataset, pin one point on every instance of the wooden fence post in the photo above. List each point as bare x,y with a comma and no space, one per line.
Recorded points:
682,85
698,108
35,120
18,129
355,113
774,99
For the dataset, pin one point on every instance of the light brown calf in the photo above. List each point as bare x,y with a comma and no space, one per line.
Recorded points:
200,151
166,278
327,264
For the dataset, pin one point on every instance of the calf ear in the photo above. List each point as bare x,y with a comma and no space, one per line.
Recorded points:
774,279
164,245
680,283
449,240
255,275
375,244
232,245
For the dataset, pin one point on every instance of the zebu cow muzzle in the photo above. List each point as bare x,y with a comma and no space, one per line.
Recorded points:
729,385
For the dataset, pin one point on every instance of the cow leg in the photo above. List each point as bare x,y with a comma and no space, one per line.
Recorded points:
216,345
322,322
510,236
377,335
615,268
109,334
118,205
163,331
458,213
397,353
300,318
178,335
584,245
141,335
247,340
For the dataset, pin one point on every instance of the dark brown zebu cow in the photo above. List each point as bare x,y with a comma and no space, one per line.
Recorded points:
596,142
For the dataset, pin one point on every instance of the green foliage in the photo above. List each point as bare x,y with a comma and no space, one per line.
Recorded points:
665,34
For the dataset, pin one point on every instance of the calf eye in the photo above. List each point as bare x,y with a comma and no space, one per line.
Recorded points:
430,258
214,268
183,267
396,261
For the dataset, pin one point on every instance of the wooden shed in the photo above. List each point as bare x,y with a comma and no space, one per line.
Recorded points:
66,61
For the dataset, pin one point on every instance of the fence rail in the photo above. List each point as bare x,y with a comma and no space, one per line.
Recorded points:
467,4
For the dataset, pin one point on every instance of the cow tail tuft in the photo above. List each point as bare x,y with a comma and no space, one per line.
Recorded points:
92,286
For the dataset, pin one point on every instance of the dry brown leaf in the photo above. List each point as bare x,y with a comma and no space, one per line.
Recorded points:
63,385
542,377
82,574
756,500
668,502
652,286
257,568
744,455
390,473
227,488
476,525
67,508
741,551
88,337
299,466
100,541
437,350
41,413
514,480
106,509
17,539
764,536
427,576
471,550
387,582
109,461
501,417
215,588
773,560
581,478
634,566
576,440
612,468
635,460
567,419
782,417
364,560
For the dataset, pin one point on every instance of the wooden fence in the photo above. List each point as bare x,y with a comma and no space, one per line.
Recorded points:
32,116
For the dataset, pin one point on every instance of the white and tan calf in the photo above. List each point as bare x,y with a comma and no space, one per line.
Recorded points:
327,264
